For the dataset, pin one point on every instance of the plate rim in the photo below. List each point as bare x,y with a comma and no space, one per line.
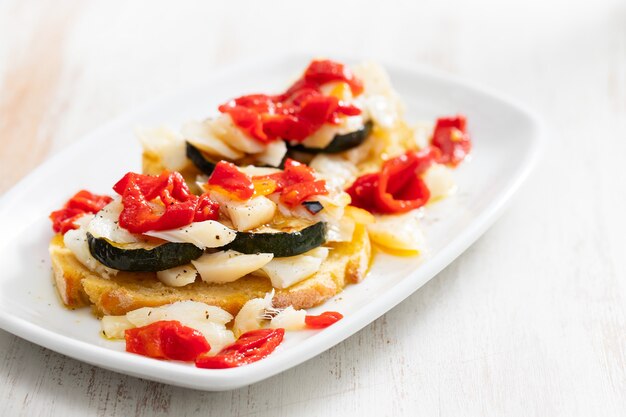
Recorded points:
221,380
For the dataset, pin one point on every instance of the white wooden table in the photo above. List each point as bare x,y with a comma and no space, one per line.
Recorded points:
529,321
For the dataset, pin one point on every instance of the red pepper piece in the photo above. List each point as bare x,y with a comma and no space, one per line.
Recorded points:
206,209
81,203
288,127
228,178
63,220
363,192
451,138
167,339
294,195
323,320
250,347
150,186
398,187
88,202
248,119
178,206
317,109
320,72
295,172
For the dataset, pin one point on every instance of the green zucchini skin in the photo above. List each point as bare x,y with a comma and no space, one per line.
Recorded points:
206,166
165,256
281,244
339,143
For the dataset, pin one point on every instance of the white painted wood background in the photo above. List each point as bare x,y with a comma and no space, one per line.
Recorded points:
530,321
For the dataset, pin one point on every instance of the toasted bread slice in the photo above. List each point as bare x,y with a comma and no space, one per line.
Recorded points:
347,263
78,286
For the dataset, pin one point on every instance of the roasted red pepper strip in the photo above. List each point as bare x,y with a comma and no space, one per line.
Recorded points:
230,180
451,138
294,195
398,187
295,172
363,191
323,320
81,203
323,71
296,183
166,340
177,206
298,112
250,347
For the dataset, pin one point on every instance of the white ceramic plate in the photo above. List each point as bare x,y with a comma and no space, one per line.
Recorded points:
506,140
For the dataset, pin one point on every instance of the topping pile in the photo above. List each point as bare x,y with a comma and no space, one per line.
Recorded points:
265,190
298,112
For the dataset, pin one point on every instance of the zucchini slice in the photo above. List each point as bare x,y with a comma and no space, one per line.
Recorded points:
198,158
133,257
339,143
281,244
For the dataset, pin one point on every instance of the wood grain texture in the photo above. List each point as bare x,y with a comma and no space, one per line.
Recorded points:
30,102
530,321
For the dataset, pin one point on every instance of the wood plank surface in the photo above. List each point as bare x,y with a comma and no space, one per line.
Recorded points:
530,321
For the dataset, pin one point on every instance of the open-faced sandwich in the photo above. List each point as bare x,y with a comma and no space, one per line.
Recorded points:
242,221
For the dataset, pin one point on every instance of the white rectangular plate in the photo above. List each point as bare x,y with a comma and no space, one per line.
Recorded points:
506,140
